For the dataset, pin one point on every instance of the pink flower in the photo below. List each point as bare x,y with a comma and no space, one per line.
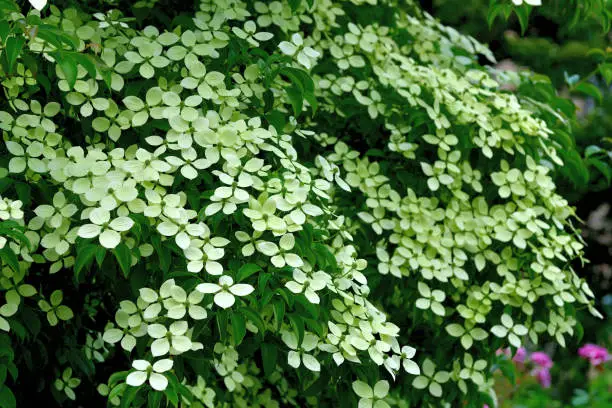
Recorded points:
542,375
594,353
520,355
542,360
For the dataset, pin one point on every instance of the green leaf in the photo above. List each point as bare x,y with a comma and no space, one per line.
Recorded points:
60,35
298,326
302,88
606,72
124,257
100,255
268,98
24,192
68,66
30,62
523,17
184,391
310,98
565,138
9,258
276,119
315,326
238,328
287,296
299,78
117,377
12,229
85,255
50,38
324,257
318,386
294,4
296,98
604,168
589,89
508,370
128,396
597,53
7,399
172,396
221,319
247,270
254,317
154,399
44,82
31,320
87,62
579,332
13,48
5,29
262,282
3,372
313,310
279,312
104,70
574,167
165,257
117,391
486,398
269,355
496,9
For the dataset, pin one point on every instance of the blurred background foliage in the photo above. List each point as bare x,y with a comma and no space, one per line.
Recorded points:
567,45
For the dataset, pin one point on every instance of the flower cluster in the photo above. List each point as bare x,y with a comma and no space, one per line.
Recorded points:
596,355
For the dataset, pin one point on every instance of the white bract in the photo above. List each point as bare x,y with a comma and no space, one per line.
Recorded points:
473,369
109,232
431,379
514,332
173,340
302,353
286,243
225,291
431,299
372,397
143,370
309,284
530,2
407,353
306,56
67,383
56,213
38,5
248,33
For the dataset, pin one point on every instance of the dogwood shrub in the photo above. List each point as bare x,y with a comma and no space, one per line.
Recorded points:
238,204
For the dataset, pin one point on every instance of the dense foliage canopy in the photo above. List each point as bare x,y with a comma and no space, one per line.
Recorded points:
300,203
